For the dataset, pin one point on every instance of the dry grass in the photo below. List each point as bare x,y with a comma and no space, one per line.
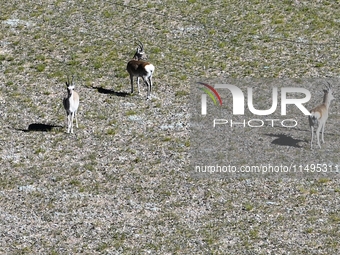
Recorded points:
121,184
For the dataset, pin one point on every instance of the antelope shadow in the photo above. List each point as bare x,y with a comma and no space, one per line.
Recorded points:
111,92
39,127
285,140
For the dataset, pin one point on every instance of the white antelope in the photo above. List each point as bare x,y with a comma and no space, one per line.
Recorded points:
319,115
71,103
137,67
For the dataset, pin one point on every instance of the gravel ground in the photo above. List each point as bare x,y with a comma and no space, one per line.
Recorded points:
122,183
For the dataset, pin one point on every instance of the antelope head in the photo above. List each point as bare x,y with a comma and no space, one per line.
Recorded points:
69,84
140,54
328,92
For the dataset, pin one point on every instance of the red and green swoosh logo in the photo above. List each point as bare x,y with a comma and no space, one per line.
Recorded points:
208,89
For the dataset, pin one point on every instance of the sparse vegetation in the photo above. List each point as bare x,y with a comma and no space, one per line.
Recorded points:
122,183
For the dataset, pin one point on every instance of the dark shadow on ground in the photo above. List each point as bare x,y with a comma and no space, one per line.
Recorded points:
34,127
285,140
111,92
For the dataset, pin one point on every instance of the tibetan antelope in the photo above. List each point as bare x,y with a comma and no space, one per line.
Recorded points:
138,67
71,103
318,116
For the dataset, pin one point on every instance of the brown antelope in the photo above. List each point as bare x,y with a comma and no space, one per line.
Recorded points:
319,115
71,103
138,67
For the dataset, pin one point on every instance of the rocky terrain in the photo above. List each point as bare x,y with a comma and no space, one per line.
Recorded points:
123,183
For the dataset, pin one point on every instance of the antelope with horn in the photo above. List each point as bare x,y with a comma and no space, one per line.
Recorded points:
319,115
138,67
71,103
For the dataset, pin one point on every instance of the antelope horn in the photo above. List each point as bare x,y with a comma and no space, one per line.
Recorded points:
329,86
140,44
